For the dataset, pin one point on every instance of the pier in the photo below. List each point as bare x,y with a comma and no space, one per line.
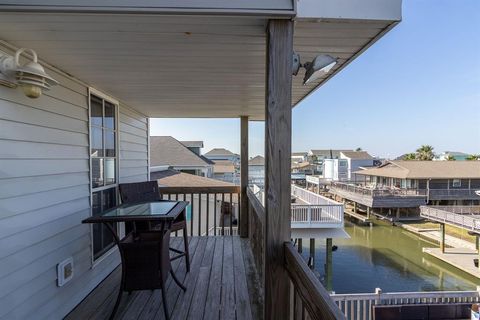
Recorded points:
461,258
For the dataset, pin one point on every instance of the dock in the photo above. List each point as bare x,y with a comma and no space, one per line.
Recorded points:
359,217
461,258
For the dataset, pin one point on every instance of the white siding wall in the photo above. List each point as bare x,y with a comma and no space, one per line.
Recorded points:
45,193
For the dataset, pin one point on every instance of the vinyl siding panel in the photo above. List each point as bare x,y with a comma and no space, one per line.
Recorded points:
45,194
133,146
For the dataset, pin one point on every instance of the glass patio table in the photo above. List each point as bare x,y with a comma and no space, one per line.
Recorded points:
144,254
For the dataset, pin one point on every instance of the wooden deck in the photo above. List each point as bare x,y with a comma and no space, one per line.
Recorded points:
461,258
222,284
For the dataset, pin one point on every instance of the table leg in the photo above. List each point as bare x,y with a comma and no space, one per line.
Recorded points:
122,281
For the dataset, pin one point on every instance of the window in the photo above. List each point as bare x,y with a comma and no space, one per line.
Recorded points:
456,183
103,157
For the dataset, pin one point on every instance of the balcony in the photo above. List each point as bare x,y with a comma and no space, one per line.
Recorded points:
226,280
380,198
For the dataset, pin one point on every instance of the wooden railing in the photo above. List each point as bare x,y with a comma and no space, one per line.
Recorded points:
452,194
378,192
462,216
309,299
358,306
256,214
212,210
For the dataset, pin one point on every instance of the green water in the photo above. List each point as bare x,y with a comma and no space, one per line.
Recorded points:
389,258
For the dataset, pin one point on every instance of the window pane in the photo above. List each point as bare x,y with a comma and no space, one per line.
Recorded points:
109,121
102,237
96,149
97,172
109,171
109,198
96,110
109,143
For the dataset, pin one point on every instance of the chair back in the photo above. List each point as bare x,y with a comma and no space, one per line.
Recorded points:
139,191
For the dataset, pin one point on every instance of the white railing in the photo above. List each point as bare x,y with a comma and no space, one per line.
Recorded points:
463,216
311,213
226,231
358,306
317,211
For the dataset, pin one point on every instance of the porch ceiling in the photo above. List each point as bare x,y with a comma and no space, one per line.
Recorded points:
181,66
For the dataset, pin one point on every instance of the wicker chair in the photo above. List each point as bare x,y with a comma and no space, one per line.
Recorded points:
148,191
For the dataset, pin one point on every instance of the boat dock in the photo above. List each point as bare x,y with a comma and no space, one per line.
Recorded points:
358,216
461,258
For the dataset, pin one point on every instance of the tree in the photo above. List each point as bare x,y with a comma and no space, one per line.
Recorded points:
358,149
425,153
450,158
473,157
410,156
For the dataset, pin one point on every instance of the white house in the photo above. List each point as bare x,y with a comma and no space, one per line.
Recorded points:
256,170
355,160
222,154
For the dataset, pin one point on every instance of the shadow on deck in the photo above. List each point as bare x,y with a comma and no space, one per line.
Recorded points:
222,284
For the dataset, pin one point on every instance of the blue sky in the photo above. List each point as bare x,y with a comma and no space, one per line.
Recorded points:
419,84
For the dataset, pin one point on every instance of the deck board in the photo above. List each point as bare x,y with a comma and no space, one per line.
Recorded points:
216,287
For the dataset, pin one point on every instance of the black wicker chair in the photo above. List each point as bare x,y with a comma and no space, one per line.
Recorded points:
148,191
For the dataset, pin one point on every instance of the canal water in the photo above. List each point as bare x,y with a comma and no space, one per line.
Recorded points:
389,258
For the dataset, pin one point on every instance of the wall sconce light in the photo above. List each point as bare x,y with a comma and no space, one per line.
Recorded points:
321,65
31,77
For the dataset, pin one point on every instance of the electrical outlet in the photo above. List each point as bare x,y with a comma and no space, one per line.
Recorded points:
64,271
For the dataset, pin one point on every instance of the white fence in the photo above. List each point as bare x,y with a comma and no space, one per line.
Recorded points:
358,306
466,217
318,211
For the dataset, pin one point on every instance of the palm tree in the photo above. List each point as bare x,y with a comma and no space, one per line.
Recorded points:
425,153
473,157
410,156
450,158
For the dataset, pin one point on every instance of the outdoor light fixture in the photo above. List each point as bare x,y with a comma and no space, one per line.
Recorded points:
31,77
321,65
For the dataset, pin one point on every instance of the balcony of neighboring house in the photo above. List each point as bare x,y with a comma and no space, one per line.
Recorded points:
379,197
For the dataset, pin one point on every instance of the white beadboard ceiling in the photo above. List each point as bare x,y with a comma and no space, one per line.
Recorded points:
181,66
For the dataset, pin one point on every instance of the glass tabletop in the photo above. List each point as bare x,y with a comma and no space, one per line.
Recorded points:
142,209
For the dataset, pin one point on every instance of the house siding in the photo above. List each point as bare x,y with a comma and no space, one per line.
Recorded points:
45,194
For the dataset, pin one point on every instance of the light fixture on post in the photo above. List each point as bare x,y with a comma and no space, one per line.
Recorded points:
31,77
321,65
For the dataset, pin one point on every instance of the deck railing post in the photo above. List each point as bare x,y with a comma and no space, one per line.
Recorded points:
278,135
244,177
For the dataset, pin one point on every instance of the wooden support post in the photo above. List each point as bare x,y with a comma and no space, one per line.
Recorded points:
477,246
244,177
354,207
442,237
299,245
278,151
398,213
312,253
328,265
368,212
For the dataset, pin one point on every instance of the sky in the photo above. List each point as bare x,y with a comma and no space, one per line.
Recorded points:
419,84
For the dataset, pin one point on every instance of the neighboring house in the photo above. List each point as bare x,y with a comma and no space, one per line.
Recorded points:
256,170
166,151
355,160
223,154
119,64
194,146
303,167
403,186
456,155
298,157
334,169
225,170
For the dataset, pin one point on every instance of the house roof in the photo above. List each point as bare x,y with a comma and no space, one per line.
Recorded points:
426,170
166,150
192,144
299,154
302,165
326,152
256,161
455,153
356,154
223,166
173,178
220,152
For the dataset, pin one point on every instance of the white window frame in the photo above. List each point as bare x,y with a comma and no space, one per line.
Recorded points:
120,229
456,183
